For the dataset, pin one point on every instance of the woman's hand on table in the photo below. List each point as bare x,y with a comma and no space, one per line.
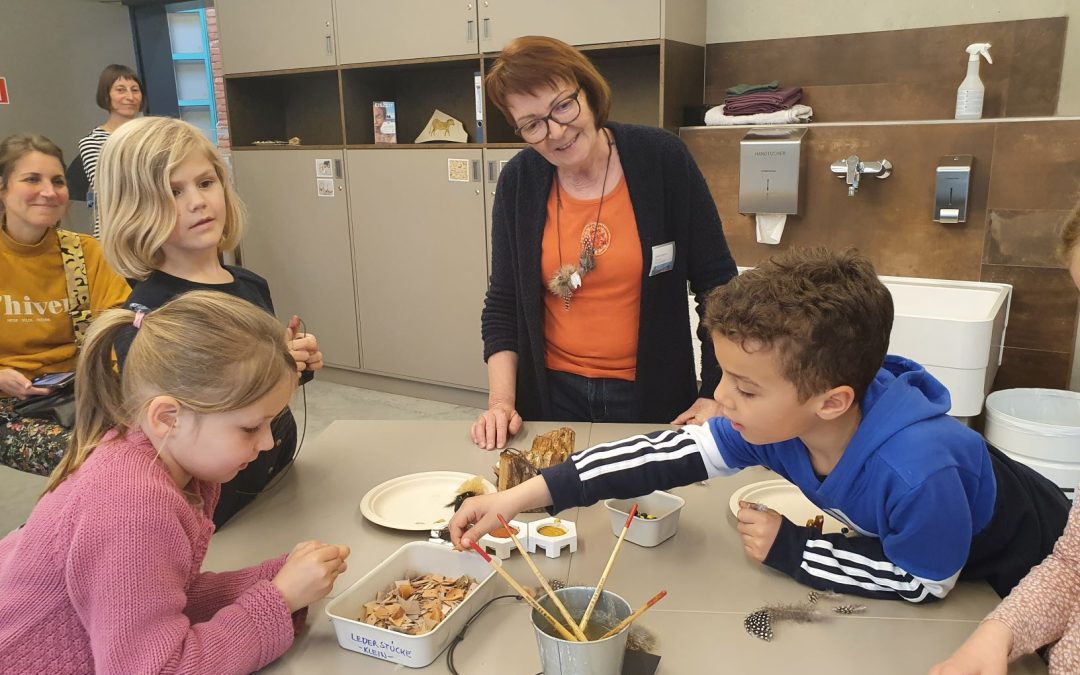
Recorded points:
986,652
495,426
480,515
309,573
758,530
700,412
303,348
14,383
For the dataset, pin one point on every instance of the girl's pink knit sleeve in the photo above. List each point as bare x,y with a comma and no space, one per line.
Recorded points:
127,569
210,591
1037,611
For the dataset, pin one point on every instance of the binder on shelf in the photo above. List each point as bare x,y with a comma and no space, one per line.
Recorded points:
478,89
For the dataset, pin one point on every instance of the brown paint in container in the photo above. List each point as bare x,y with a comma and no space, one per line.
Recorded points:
501,533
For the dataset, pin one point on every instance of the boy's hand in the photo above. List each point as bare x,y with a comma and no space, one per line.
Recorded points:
309,573
480,515
700,412
758,530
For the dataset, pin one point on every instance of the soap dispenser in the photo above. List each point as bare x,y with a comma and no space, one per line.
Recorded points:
969,95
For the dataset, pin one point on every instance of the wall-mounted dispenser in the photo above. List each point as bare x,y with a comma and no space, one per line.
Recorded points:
770,164
952,188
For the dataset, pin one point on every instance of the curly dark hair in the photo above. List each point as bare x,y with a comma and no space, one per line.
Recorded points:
826,314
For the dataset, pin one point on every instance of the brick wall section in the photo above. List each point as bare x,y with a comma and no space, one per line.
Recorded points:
224,141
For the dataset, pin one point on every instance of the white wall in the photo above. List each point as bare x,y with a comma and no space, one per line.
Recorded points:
741,20
52,52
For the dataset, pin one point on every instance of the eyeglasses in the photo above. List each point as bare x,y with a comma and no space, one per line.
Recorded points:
564,112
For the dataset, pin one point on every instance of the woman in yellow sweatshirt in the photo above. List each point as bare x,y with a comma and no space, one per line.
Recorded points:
38,310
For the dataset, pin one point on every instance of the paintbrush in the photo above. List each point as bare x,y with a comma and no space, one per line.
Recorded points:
640,610
607,570
544,582
566,635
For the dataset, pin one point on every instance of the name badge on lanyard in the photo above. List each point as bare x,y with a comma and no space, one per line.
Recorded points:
663,258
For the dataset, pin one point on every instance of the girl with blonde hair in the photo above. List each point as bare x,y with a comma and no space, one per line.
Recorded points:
105,575
168,212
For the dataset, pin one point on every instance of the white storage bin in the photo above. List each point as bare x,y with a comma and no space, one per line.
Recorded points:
1040,428
664,505
413,651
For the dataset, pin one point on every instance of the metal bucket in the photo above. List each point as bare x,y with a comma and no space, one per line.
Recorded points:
599,657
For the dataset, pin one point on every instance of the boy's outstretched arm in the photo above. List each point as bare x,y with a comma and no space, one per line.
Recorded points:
635,466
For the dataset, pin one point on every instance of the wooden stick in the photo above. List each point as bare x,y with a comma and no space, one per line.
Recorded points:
543,582
566,635
640,610
607,570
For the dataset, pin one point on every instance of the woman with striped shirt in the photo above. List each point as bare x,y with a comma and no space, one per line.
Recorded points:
120,93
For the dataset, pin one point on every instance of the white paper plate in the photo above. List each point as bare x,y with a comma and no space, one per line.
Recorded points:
783,497
415,502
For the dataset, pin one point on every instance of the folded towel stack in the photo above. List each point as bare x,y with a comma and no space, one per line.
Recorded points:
796,114
763,101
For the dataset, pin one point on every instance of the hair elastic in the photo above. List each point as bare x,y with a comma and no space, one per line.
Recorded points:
140,312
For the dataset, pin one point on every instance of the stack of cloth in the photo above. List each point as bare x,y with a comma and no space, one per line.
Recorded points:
760,104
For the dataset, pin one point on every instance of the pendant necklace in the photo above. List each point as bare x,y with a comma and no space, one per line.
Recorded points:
568,278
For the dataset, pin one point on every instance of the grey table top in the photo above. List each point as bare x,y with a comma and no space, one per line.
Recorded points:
711,584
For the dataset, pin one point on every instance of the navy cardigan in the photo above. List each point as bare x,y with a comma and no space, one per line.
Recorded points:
671,203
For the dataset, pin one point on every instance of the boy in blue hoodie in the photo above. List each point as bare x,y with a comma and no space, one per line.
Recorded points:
808,391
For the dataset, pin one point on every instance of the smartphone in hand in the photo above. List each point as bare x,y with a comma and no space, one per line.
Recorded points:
53,380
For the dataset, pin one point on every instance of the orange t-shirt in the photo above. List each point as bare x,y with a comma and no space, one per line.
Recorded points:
598,335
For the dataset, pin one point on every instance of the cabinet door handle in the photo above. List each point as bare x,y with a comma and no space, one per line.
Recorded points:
487,28
476,174
469,31
329,45
493,171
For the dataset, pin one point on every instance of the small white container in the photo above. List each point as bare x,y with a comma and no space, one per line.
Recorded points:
552,546
1040,428
502,547
413,651
647,532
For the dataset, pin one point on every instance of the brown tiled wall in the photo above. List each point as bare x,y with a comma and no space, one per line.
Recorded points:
1026,179
224,141
901,74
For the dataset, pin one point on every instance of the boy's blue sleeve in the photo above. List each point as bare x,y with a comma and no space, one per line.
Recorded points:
636,466
736,453
925,544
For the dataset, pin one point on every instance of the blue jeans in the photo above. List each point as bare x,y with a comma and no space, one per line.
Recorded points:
575,398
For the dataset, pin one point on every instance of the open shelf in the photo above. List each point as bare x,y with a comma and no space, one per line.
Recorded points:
416,89
279,107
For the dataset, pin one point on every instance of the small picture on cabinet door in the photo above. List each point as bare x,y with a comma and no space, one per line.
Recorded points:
324,168
326,187
457,170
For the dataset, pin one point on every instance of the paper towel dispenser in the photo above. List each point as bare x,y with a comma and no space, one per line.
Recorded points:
770,170
952,188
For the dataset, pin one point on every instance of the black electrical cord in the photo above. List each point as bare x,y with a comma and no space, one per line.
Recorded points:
461,636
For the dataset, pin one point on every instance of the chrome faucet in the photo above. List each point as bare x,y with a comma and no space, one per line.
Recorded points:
851,169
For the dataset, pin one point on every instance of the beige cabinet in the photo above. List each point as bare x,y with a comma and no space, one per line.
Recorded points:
571,21
494,161
299,241
405,29
262,35
421,273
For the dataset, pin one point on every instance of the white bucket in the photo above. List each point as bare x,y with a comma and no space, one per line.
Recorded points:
1040,428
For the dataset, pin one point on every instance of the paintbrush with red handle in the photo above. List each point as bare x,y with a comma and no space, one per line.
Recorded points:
640,610
607,570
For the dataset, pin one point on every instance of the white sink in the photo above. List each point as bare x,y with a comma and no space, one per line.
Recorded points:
955,329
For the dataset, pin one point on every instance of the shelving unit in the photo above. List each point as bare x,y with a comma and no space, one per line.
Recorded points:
411,243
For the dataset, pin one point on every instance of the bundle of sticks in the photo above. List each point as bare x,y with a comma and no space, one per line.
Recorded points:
573,631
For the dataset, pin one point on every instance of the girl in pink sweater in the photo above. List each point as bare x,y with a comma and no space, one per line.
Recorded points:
1044,608
105,575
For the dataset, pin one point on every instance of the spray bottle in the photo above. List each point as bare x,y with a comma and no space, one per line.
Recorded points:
969,95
